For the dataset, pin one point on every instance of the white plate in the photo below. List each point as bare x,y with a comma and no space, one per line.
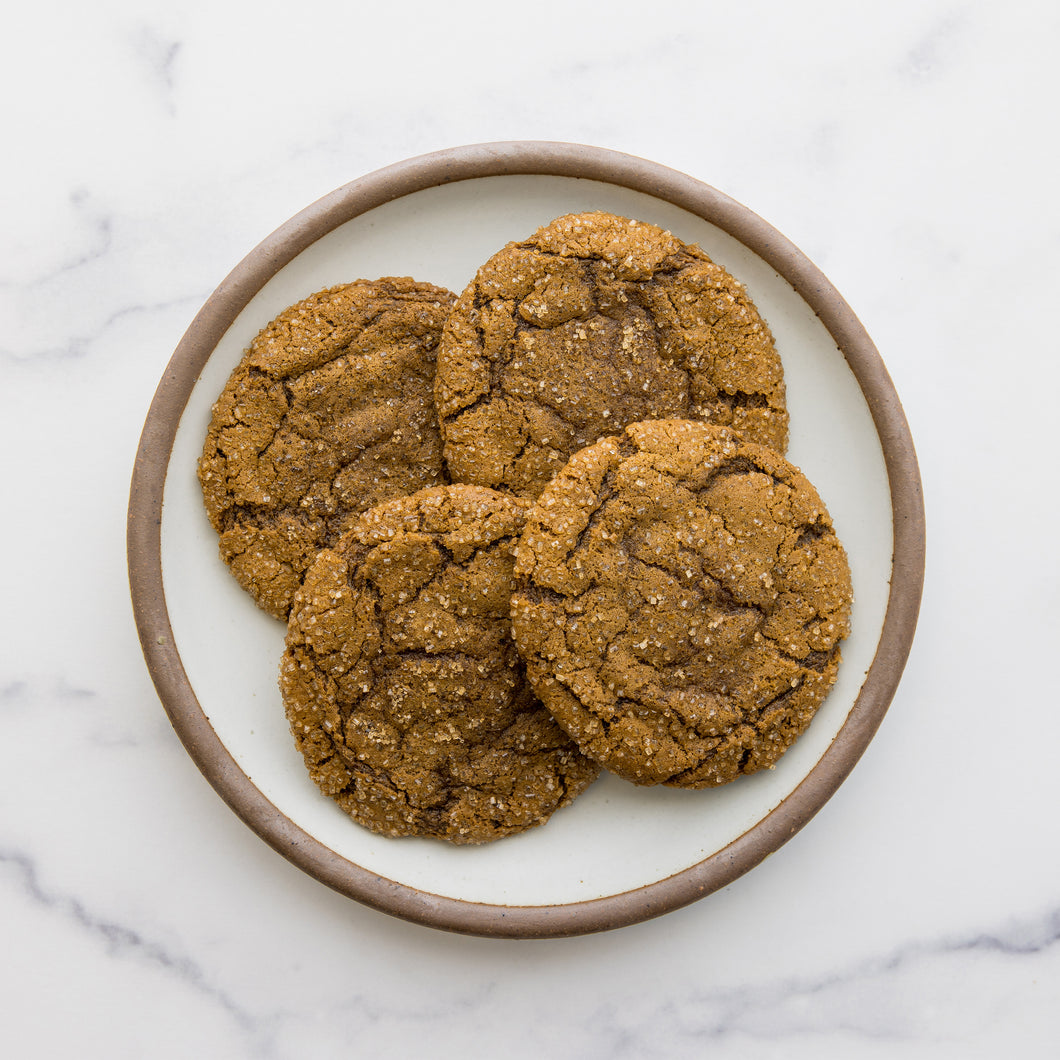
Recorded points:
619,853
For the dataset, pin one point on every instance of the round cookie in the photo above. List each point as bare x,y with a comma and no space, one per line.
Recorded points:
680,599
330,411
593,323
404,690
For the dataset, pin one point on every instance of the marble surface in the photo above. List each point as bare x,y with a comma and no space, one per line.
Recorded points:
909,149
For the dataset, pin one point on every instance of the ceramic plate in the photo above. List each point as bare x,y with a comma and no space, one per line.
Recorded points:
619,854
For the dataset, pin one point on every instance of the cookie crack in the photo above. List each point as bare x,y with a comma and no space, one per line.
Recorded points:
540,593
818,660
510,465
677,575
674,262
811,532
743,399
357,765
821,659
482,399
603,495
732,466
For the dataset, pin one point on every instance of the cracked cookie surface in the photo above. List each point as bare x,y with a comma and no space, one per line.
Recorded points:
330,412
404,690
681,595
595,322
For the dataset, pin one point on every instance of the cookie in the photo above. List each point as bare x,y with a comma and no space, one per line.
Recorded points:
681,595
593,323
403,688
330,412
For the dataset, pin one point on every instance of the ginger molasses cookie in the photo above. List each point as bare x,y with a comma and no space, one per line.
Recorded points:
329,412
681,595
403,688
595,322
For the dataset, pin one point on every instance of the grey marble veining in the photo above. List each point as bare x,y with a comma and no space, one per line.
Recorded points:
160,55
868,1001
119,940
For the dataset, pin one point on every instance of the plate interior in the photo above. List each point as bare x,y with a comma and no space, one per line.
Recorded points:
616,837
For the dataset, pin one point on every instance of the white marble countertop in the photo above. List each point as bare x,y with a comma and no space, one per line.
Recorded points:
910,150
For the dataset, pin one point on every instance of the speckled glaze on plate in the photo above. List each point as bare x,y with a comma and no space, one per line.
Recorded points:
619,854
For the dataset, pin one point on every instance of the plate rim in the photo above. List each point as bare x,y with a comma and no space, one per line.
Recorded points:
144,519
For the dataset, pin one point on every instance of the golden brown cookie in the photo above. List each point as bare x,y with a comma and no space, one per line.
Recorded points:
680,599
329,412
595,322
403,688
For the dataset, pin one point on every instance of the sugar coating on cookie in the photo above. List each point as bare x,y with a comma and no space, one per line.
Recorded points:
402,685
681,595
595,322
330,412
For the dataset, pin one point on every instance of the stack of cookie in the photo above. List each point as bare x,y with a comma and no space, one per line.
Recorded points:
520,535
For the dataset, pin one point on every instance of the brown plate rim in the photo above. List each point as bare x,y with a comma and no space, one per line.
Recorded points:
145,516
